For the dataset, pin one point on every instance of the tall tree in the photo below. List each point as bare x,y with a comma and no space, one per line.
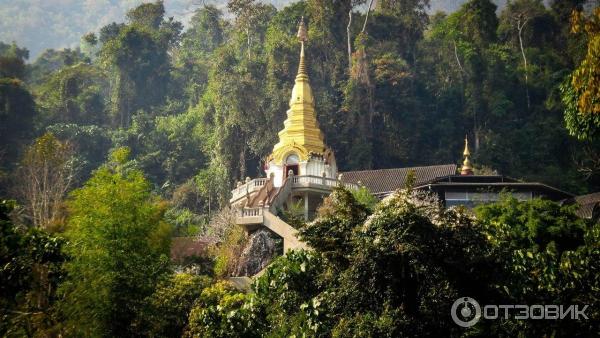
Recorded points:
17,109
519,15
31,261
74,94
137,55
44,177
118,244
12,61
207,31
248,18
586,78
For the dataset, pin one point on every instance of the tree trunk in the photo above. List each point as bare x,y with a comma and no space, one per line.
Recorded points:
248,41
462,70
349,41
367,17
243,162
520,29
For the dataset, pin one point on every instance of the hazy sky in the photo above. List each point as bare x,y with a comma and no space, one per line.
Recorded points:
41,24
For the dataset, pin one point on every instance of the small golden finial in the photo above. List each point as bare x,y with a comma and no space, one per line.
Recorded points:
467,168
302,37
302,34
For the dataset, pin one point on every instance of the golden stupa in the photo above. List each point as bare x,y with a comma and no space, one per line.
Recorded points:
467,168
301,134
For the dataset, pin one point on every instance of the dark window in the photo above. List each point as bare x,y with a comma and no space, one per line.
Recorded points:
293,168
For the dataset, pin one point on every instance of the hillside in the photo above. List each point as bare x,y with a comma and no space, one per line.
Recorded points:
42,24
435,165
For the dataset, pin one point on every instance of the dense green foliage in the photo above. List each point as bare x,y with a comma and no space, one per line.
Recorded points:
118,245
210,99
395,271
169,306
140,133
410,260
30,270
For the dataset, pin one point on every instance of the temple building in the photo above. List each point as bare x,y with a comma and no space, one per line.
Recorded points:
301,170
452,189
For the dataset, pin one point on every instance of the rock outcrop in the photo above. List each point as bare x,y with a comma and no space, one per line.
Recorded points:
262,247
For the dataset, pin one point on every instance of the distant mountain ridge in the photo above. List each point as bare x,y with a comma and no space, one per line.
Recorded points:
41,24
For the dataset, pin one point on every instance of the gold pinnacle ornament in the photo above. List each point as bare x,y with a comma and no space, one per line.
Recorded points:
467,169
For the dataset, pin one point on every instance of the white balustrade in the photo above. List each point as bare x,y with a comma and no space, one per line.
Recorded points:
316,180
251,212
248,187
297,181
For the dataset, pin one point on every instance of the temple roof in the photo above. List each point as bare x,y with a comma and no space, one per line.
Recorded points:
587,204
385,181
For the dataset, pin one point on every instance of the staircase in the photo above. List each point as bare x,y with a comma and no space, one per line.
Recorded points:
262,201
253,218
284,230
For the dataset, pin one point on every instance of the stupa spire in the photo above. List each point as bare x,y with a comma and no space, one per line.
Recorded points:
467,168
301,133
302,37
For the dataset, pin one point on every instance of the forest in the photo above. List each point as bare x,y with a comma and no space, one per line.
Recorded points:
111,149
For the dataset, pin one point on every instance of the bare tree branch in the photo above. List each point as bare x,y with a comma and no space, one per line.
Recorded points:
367,16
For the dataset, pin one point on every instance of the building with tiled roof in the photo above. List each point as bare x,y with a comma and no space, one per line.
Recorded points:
589,205
382,182
471,190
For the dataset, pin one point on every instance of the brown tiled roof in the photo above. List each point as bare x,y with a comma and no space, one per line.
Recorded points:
587,204
382,181
589,198
182,247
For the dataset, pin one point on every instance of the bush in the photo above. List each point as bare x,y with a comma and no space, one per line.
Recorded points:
221,311
171,303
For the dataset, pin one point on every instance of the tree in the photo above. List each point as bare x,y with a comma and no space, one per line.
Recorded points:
137,56
140,66
289,294
585,79
331,233
90,143
546,255
171,303
206,32
51,61
17,108
17,111
12,61
31,261
74,94
212,183
535,224
580,90
584,126
518,15
396,269
44,177
248,16
222,311
574,45
119,245
231,241
148,15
